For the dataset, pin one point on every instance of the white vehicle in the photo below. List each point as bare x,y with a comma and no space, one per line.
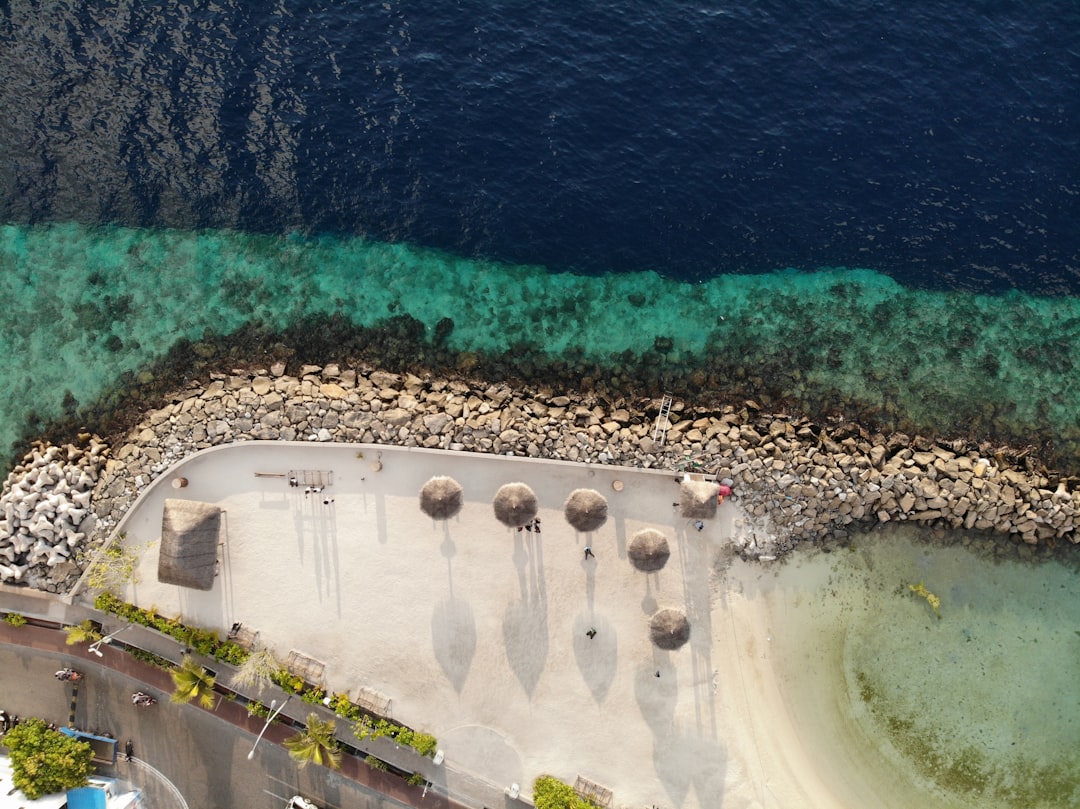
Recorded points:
297,802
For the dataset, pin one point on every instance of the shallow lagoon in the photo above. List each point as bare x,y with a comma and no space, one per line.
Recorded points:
899,707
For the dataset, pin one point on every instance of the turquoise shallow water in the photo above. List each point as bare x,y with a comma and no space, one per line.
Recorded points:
84,304
977,708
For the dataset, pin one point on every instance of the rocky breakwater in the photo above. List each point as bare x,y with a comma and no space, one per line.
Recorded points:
797,480
46,512
805,482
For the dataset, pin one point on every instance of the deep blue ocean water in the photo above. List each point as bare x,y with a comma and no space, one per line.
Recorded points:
936,142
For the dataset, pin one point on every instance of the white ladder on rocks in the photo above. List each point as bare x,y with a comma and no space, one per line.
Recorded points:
659,432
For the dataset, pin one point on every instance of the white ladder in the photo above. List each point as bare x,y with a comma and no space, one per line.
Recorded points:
659,432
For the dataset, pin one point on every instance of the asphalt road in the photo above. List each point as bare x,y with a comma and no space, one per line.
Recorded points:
204,757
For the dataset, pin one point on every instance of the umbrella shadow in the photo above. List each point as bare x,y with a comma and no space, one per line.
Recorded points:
525,635
597,657
684,761
657,696
453,639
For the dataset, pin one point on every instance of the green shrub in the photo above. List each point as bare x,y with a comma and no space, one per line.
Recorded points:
15,619
231,652
107,602
288,681
149,657
416,780
256,708
363,726
424,743
376,763
204,641
343,707
551,793
83,632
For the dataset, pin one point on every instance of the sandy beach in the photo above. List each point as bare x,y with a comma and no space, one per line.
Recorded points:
477,633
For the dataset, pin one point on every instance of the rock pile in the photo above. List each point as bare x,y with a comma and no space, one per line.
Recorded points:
807,484
46,508
797,480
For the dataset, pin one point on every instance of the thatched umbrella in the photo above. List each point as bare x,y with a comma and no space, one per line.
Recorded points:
648,550
440,498
190,534
585,509
515,505
697,499
669,629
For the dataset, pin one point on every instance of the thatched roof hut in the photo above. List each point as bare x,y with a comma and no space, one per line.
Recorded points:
441,498
648,550
669,629
190,535
515,505
585,509
697,499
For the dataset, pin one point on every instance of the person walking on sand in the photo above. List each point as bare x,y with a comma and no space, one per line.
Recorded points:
589,553
591,633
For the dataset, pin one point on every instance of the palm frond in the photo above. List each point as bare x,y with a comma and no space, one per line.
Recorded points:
315,744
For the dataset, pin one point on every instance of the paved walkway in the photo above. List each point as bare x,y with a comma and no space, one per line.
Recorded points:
228,712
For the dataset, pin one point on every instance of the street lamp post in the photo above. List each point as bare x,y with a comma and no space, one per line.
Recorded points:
95,647
269,719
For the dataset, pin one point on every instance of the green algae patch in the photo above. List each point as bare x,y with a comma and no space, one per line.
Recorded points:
920,590
1018,781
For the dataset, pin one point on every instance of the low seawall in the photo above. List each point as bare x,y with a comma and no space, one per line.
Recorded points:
797,481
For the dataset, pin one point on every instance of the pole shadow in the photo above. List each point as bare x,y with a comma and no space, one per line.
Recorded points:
657,696
597,657
684,761
453,639
525,636
448,549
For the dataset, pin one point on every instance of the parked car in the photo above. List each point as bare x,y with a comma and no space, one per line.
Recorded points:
298,802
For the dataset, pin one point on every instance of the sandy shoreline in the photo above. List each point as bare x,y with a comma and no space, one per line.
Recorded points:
477,633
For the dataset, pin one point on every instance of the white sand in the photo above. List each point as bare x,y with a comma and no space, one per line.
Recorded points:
477,632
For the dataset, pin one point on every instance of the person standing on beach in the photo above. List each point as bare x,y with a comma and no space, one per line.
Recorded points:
589,553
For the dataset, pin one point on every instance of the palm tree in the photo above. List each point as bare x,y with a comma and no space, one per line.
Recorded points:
82,633
316,744
192,681
257,670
